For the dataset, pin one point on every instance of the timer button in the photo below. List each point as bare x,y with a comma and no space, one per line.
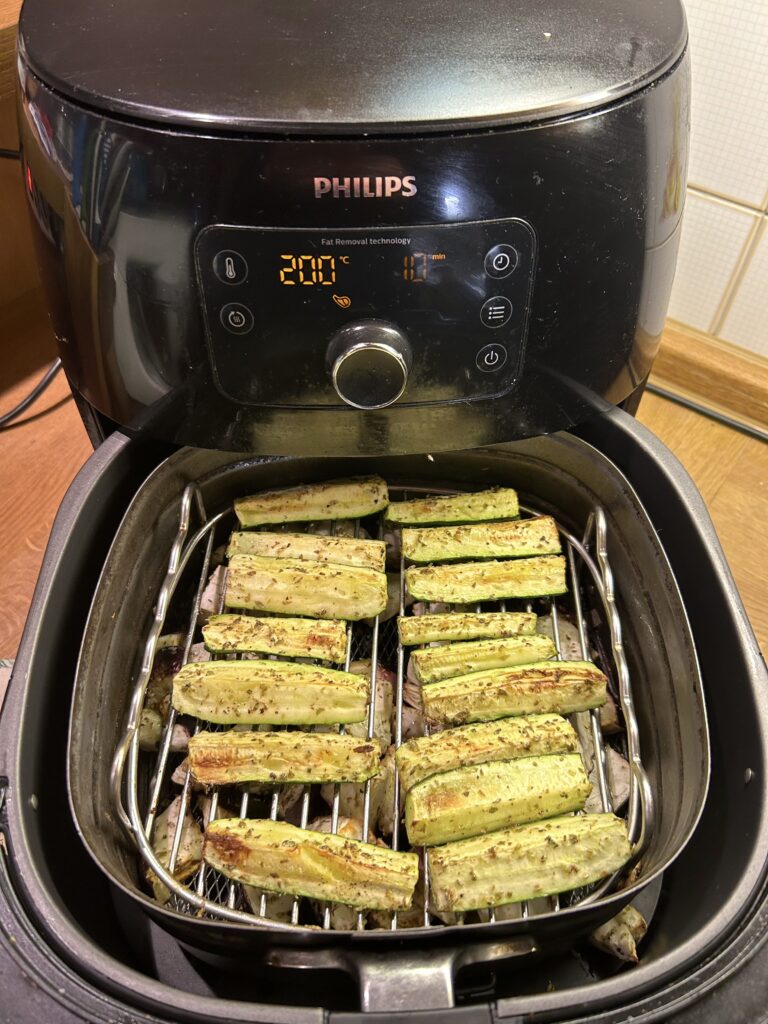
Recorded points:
236,318
369,362
501,260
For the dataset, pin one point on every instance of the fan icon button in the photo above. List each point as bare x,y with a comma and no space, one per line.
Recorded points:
236,318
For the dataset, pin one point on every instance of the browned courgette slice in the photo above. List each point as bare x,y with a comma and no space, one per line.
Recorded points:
279,857
513,539
290,586
467,582
426,629
310,547
485,797
269,693
498,503
325,639
226,758
333,499
527,861
501,740
548,686
431,664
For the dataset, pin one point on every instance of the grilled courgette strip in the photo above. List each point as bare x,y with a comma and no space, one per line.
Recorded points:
548,686
225,758
485,797
367,554
512,539
269,693
426,629
324,639
279,857
293,587
526,736
527,861
334,499
467,582
432,664
498,503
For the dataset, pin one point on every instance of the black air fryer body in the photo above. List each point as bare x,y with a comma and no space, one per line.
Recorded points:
336,230
223,195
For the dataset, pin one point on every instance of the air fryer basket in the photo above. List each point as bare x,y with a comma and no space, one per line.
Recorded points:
662,662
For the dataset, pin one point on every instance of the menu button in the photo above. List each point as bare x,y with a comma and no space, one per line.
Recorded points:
495,312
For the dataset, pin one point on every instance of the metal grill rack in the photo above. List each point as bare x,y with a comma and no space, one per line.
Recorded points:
142,786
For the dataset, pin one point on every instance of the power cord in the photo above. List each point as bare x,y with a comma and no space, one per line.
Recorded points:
718,417
33,395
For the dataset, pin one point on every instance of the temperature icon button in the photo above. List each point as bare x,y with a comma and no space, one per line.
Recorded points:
230,267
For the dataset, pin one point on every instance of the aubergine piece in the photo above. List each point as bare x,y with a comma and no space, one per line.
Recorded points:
619,936
334,499
470,582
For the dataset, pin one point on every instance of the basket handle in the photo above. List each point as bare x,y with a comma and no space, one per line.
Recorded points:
401,980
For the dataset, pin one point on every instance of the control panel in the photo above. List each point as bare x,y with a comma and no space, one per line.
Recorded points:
316,317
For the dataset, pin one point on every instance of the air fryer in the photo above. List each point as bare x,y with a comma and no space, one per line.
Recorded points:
282,243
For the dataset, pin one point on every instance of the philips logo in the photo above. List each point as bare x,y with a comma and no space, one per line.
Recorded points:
366,188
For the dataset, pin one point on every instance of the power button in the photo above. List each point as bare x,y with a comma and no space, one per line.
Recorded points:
491,358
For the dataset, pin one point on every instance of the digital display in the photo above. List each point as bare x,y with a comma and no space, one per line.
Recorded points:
321,269
368,274
274,299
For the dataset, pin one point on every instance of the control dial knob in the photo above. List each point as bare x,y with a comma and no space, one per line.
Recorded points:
369,362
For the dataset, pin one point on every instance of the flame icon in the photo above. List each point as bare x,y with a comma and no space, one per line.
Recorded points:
342,300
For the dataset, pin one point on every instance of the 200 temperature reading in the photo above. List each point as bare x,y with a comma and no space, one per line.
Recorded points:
308,269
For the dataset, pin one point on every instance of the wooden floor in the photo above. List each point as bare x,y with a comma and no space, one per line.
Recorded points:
731,471
42,453
39,456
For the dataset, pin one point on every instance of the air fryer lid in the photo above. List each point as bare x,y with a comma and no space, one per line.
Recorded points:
328,66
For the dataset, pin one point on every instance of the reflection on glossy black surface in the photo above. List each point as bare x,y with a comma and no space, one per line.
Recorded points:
329,67
118,208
